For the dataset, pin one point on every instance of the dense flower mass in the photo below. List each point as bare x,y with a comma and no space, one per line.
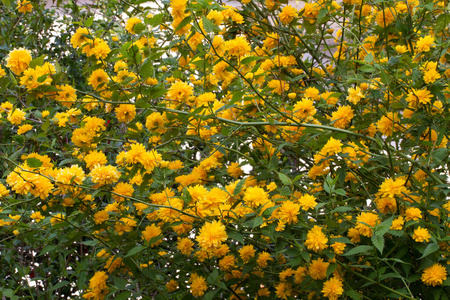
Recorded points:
249,150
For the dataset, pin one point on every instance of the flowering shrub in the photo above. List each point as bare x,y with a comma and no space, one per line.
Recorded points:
190,149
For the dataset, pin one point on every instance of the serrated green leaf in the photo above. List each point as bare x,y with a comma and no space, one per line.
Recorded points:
89,22
138,28
146,69
155,20
239,186
431,248
369,58
59,285
321,15
236,236
378,241
34,163
358,250
249,59
135,250
284,179
209,26
258,221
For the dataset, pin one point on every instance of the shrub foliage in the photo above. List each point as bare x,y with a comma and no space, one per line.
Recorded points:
191,149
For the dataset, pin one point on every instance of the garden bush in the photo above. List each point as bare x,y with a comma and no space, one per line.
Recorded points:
192,149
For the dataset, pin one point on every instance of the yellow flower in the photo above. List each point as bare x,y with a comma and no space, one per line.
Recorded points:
150,232
97,286
79,38
318,269
227,263
104,175
283,290
387,124
421,234
37,216
185,245
247,252
263,259
424,44
338,248
332,147
212,235
413,214
66,95
98,77
24,128
342,117
180,91
288,14
365,222
237,47
288,212
304,109
69,175
24,6
355,95
332,288
3,191
215,16
418,97
125,112
307,202
398,223
198,285
401,49
385,17
101,216
316,239
434,275
95,158
16,117
45,113
58,218
124,189
125,225
172,285
255,196
130,24
18,60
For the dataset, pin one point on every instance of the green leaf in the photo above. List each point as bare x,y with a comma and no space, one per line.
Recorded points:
358,250
119,283
239,187
367,69
431,248
38,61
210,295
146,69
378,241
321,15
209,26
236,236
138,28
123,296
59,285
258,221
183,23
249,59
135,250
284,179
34,163
368,58
155,20
89,22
